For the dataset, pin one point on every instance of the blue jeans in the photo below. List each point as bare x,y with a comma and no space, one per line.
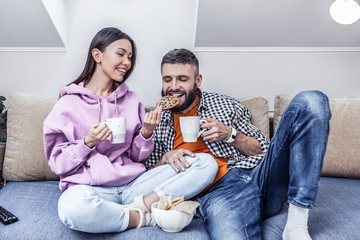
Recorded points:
234,207
100,209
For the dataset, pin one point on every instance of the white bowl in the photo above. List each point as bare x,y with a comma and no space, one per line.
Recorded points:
171,221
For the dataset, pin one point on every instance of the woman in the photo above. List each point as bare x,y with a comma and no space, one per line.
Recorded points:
98,177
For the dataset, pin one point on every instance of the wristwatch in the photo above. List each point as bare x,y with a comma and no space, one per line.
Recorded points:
232,136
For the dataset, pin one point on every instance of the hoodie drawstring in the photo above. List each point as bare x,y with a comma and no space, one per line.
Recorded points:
116,108
99,108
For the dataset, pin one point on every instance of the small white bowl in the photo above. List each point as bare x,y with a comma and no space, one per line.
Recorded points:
171,221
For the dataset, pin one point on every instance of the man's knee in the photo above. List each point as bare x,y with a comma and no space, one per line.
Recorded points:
315,103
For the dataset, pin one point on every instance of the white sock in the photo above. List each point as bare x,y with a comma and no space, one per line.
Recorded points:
146,218
296,224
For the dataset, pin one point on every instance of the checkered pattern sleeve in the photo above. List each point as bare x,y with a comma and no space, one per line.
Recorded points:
242,123
232,113
155,155
163,137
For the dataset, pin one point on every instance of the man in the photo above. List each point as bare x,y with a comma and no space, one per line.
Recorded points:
255,178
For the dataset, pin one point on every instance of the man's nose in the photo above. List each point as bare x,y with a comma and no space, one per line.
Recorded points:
174,85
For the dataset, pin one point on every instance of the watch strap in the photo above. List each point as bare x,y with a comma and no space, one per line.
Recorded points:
232,136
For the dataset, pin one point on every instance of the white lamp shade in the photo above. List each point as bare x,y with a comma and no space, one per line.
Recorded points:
345,11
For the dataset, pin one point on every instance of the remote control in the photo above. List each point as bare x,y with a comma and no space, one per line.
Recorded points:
6,217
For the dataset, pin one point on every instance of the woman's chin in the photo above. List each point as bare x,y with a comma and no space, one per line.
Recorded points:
118,80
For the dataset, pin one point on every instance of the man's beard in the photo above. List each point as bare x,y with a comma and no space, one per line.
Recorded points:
189,99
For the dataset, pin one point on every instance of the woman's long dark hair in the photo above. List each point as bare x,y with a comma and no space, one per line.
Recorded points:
101,40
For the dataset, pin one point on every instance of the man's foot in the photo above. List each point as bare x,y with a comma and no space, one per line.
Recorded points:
296,233
296,225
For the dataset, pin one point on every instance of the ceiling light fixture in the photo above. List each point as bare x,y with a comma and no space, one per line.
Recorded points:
345,11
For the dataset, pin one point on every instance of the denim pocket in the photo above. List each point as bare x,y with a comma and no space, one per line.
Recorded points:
242,173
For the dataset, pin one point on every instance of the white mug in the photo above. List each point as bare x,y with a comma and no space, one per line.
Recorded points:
117,127
190,127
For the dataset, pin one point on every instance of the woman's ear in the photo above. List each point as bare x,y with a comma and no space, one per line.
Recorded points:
97,55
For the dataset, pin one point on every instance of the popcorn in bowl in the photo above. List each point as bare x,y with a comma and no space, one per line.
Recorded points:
173,215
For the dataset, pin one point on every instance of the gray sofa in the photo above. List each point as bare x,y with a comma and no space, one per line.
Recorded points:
31,191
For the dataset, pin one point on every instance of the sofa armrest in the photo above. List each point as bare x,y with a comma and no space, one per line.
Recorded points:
2,156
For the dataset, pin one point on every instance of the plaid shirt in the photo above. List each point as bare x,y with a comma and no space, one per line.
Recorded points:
226,110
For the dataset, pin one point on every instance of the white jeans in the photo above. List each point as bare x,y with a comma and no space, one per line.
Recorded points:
98,209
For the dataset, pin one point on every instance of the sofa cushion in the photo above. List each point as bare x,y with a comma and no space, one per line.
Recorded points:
35,204
259,109
342,158
24,156
335,216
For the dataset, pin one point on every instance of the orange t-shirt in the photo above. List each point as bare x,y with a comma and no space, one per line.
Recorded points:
197,147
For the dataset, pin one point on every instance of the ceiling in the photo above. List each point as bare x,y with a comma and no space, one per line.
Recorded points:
27,24
271,23
225,23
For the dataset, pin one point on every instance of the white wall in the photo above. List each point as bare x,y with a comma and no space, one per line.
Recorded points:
272,73
161,25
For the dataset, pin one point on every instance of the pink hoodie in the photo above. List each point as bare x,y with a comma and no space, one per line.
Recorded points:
105,164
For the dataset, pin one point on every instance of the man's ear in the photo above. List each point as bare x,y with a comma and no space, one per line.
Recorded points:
198,80
97,55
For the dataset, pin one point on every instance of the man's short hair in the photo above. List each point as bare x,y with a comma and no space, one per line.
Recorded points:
183,56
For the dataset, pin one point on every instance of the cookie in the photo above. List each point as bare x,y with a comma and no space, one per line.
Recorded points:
168,102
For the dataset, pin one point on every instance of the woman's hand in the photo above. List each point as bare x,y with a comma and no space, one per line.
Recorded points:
176,158
151,120
98,132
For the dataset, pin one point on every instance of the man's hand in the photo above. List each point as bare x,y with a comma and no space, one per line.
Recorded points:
217,131
98,132
151,120
176,158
